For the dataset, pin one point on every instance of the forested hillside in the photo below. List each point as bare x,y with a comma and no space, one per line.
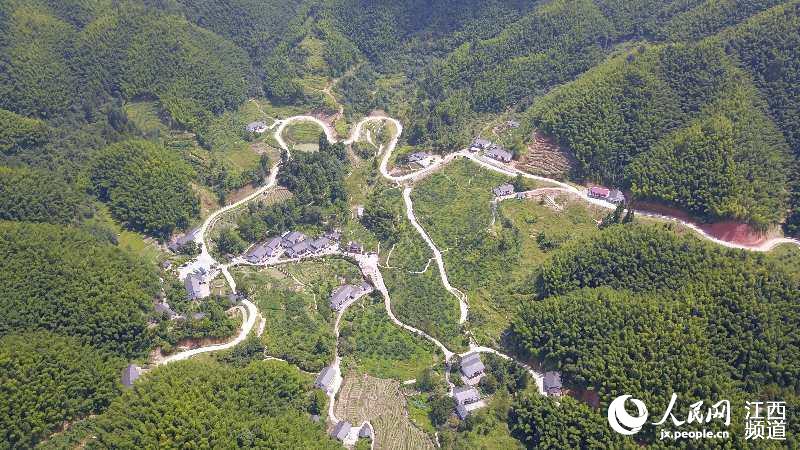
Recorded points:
122,122
729,318
26,196
67,281
264,405
47,379
146,186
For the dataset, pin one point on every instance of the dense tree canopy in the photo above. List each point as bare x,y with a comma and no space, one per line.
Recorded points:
37,196
541,422
47,380
317,177
665,314
67,281
18,132
260,406
146,187
57,58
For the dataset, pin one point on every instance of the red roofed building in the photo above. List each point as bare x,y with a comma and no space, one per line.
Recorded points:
599,192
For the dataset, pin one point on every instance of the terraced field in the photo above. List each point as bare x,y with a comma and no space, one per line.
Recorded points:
365,398
545,158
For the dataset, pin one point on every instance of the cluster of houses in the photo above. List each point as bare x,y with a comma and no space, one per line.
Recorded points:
610,195
467,397
494,151
256,127
293,244
343,294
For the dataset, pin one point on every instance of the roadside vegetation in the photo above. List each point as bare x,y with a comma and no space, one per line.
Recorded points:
418,296
373,344
488,255
293,299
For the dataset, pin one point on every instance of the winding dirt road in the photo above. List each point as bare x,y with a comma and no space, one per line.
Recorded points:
437,256
369,263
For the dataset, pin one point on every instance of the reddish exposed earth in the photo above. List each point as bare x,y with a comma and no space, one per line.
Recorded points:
728,230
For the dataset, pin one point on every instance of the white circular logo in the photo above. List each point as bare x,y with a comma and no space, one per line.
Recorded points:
621,421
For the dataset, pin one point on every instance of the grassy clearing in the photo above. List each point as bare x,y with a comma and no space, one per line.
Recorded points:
131,242
419,412
493,263
302,135
145,116
293,299
381,402
314,49
371,342
342,128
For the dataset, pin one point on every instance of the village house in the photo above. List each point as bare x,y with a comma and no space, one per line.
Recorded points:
552,383
299,249
256,127
198,316
499,154
418,157
480,144
472,366
365,432
347,292
334,235
464,396
257,254
179,240
341,430
354,247
291,238
130,374
503,190
196,286
512,124
325,379
319,244
359,211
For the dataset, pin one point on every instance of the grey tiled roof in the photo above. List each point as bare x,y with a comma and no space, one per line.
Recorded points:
130,374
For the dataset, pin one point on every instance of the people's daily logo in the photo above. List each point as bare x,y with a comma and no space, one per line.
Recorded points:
623,422
764,420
